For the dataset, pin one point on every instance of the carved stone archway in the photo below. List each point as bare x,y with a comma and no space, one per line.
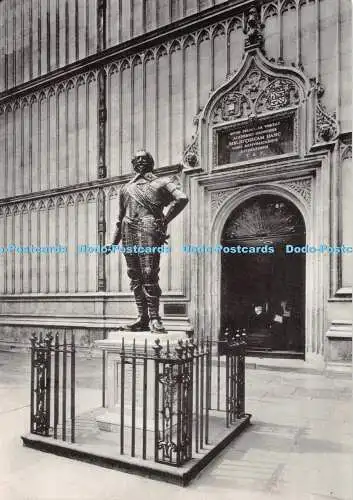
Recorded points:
264,275
209,267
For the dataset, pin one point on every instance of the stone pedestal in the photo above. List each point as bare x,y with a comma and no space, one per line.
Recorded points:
117,343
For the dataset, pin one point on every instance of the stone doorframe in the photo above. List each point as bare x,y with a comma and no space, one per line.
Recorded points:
305,183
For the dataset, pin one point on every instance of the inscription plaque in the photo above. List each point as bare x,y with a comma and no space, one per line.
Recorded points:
264,137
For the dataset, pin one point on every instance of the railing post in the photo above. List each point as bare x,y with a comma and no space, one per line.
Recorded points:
33,340
48,347
241,377
190,353
73,381
56,385
208,387
227,353
64,388
144,416
179,383
122,397
157,350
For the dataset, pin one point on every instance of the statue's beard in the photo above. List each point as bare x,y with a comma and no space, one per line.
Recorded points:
142,168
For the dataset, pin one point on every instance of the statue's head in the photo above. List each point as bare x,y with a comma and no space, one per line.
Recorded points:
142,162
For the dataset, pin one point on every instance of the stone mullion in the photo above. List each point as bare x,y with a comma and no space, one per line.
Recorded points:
337,212
157,107
144,102
183,86
67,177
38,243
228,31
6,167
76,31
30,146
47,242
169,113
13,240
14,136
57,242
57,141
87,29
30,55
22,162
77,149
87,121
280,20
101,278
197,74
109,119
14,46
317,40
5,254
48,140
76,244
108,266
6,47
39,148
86,255
57,34
144,14
120,118
39,28
30,273
66,32
338,65
48,36
102,132
22,41
132,98
299,56
119,20
21,245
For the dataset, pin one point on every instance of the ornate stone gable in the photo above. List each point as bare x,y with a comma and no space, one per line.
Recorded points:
258,92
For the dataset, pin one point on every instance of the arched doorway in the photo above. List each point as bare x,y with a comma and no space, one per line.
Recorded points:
263,284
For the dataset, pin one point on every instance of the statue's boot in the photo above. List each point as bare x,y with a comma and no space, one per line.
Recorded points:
156,326
142,321
152,294
141,324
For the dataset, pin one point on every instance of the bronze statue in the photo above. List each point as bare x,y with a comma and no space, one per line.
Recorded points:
142,222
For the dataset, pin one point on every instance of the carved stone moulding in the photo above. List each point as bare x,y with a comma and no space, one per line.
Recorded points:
301,187
326,125
191,155
48,203
219,197
257,93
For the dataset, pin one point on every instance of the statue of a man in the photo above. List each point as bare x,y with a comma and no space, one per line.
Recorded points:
142,222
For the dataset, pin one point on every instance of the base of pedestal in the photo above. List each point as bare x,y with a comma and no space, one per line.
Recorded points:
114,339
97,450
110,421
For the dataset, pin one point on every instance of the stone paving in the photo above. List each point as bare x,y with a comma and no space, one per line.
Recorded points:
300,445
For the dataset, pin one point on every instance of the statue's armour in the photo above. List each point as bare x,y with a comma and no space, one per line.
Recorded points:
161,191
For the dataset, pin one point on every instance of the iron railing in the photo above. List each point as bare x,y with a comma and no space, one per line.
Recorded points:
53,387
168,398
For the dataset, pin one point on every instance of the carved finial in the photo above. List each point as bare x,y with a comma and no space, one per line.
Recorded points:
316,87
253,30
157,347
